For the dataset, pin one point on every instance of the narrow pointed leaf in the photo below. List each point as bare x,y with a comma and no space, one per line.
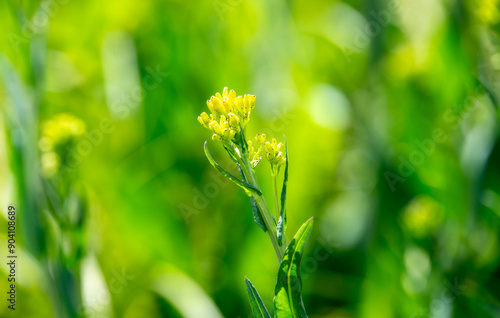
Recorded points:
288,299
258,308
257,215
280,229
248,188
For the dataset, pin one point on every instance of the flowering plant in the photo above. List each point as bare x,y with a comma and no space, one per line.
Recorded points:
228,118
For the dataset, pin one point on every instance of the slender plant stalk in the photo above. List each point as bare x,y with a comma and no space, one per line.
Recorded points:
266,214
275,190
271,230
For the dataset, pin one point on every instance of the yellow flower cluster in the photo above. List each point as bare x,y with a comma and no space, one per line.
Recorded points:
56,134
228,113
275,155
256,156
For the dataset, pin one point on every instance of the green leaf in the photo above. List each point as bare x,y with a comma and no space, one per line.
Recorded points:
258,308
247,187
288,300
280,229
257,215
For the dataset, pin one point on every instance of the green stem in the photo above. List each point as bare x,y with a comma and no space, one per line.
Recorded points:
275,190
271,229
266,215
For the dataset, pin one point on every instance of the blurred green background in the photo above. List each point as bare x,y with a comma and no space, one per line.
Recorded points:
390,109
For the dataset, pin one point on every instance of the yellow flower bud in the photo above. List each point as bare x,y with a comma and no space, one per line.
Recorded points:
254,156
269,148
201,122
212,125
260,138
216,137
231,96
249,102
238,105
204,119
234,121
278,147
228,107
217,105
218,130
274,155
210,106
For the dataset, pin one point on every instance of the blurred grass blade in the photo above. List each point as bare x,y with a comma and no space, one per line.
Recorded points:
17,92
258,308
184,294
249,189
121,74
53,200
281,228
288,300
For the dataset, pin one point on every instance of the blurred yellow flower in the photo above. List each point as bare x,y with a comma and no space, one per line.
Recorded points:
260,138
57,134
487,11
50,164
422,215
61,128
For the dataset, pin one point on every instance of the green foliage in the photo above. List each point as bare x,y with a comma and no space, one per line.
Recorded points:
281,227
288,299
257,215
248,188
259,310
